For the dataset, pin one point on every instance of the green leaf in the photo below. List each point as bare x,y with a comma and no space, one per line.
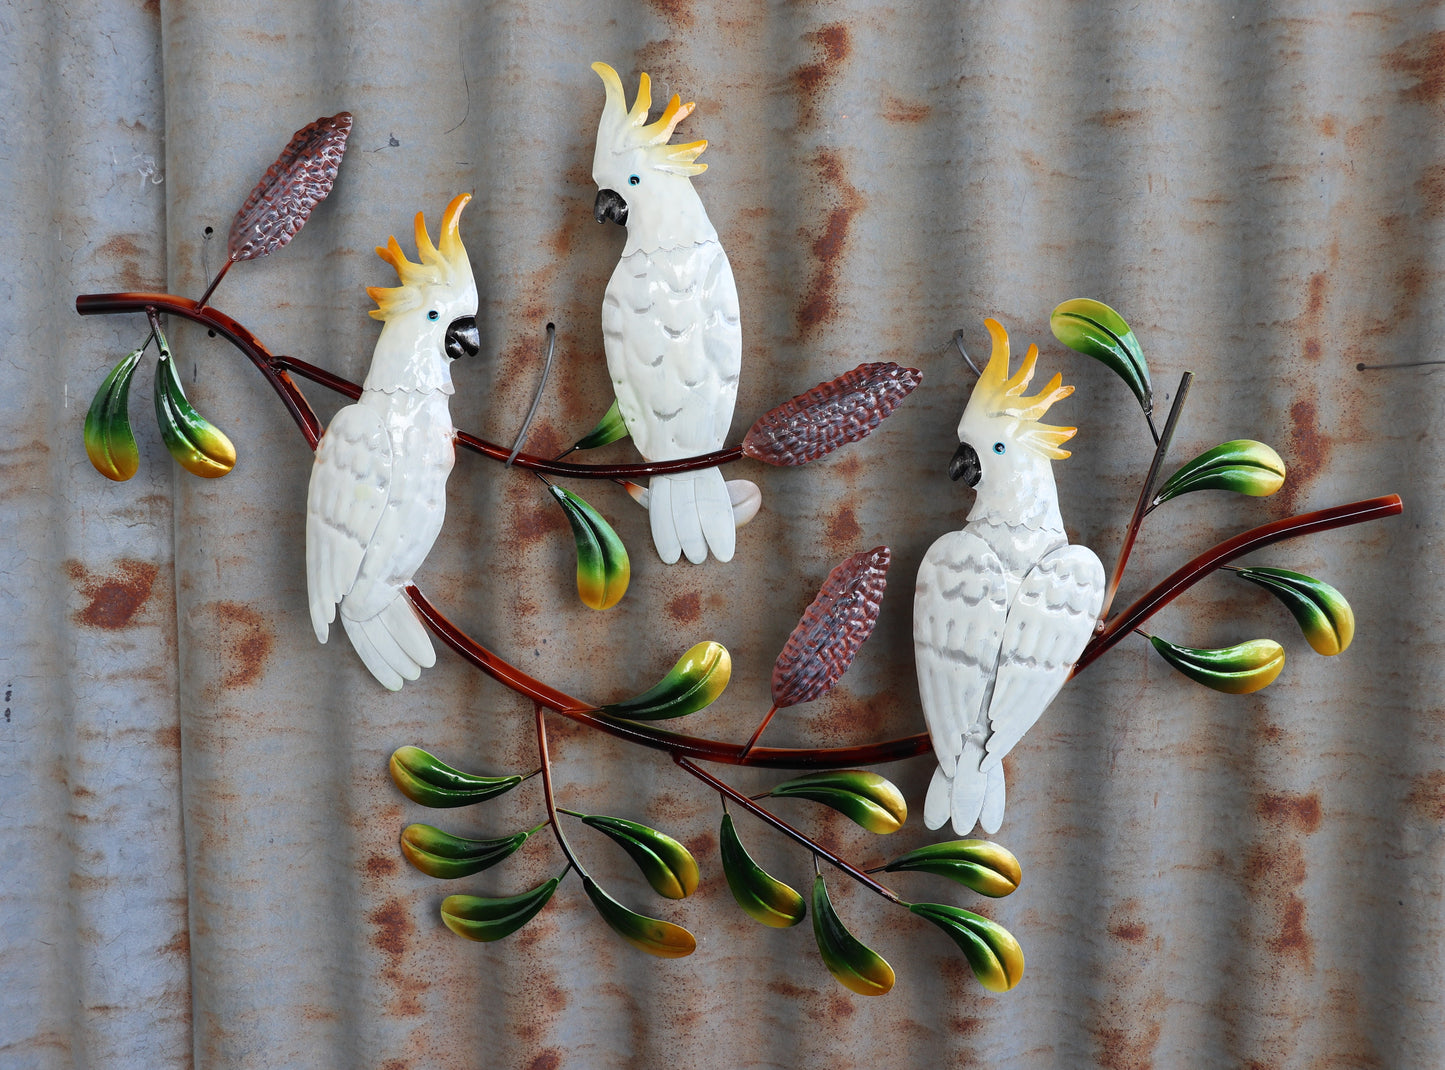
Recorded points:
430,781
762,897
1096,330
856,966
439,854
986,867
869,799
1235,670
656,937
603,569
1242,465
197,444
992,952
109,441
1324,616
695,681
667,864
609,429
491,919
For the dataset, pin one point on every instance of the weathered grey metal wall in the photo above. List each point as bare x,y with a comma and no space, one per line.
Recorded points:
198,833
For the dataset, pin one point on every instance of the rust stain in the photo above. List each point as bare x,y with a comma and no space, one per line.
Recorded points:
791,991
1309,452
127,257
1431,188
1327,126
840,1008
677,12
819,298
1116,117
1426,797
379,865
115,600
1293,940
685,608
1423,59
169,737
550,1059
1301,812
180,944
810,80
1312,349
243,643
843,530
1121,1050
906,111
1316,299
1129,931
1271,871
396,928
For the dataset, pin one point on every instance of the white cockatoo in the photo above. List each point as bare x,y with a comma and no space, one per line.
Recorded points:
670,322
378,487
1004,607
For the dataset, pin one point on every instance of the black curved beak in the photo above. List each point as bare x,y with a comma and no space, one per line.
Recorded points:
965,465
463,340
610,205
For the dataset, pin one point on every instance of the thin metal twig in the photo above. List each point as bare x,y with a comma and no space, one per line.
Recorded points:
542,386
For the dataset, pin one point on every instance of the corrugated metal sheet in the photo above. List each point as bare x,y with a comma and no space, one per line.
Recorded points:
198,833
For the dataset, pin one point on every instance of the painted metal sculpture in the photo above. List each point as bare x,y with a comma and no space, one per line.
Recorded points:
670,323
1003,608
829,635
378,487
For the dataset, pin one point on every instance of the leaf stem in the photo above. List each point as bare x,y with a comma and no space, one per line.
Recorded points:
541,388
1162,593
763,814
749,746
1131,533
215,282
546,761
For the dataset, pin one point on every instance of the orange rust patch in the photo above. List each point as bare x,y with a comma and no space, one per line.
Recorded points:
1120,1049
811,79
1294,940
840,1008
1116,117
1426,797
378,866
685,608
169,737
906,111
1422,59
844,529
546,1060
1299,811
396,928
1309,451
678,12
1431,188
244,644
828,246
114,601
783,988
180,944
1328,127
1312,349
1316,299
1131,932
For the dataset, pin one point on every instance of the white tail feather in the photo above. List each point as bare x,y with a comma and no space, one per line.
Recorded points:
393,644
692,513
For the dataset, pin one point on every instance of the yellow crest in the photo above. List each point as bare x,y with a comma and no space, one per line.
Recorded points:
1002,395
627,128
445,264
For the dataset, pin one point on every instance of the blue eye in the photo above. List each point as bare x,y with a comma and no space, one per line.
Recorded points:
998,447
634,180
433,315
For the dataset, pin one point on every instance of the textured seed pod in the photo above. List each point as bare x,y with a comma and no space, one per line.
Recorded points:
290,190
830,415
832,629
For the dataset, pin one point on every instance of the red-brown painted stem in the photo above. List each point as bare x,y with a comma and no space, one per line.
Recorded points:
1161,594
1131,533
757,733
682,747
274,368
763,814
551,800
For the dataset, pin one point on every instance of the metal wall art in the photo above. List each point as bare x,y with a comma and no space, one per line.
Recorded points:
1005,610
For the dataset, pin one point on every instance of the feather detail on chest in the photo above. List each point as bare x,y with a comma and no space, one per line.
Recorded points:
1003,608
670,323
